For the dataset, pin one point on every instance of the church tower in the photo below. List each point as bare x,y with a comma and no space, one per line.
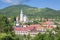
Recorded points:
25,18
17,21
21,16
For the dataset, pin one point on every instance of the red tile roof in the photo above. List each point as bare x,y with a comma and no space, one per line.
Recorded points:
48,23
31,27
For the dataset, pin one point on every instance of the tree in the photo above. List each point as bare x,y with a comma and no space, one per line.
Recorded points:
38,37
28,37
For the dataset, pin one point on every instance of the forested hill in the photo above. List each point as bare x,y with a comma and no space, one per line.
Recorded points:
30,11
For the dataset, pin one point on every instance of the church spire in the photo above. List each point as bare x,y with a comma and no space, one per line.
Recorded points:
21,16
21,11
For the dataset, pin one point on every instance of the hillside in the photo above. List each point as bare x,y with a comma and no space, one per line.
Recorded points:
30,11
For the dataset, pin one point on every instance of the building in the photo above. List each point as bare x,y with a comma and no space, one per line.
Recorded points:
23,18
29,29
17,21
49,25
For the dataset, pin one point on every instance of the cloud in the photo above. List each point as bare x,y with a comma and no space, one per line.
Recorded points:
15,1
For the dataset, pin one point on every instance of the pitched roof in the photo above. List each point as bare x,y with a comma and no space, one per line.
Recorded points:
31,27
49,23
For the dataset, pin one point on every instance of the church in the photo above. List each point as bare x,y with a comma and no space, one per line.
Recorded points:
22,19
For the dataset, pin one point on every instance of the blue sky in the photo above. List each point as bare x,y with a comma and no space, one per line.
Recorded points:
54,4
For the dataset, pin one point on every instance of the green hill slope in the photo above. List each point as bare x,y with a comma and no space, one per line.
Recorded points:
30,11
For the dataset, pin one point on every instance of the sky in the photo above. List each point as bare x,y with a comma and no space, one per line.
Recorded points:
54,4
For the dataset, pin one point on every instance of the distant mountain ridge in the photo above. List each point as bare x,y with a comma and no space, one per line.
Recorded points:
30,11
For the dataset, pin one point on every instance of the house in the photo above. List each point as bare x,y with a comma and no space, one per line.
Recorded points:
49,25
29,29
